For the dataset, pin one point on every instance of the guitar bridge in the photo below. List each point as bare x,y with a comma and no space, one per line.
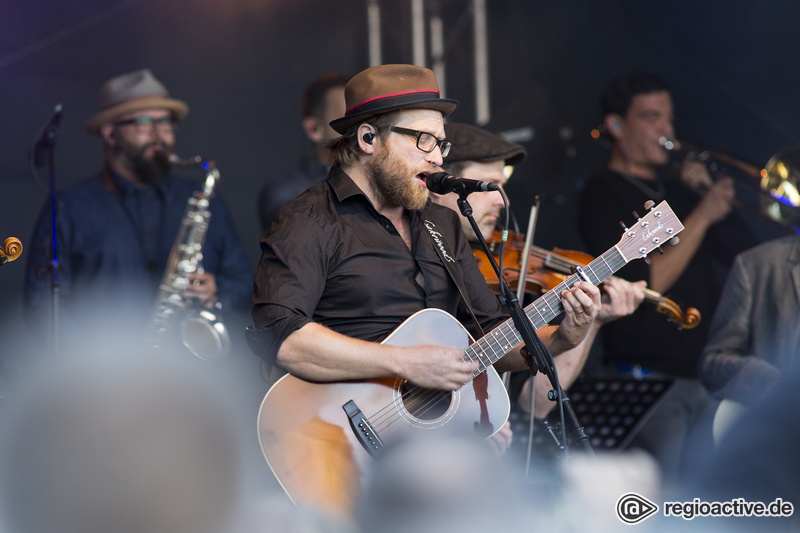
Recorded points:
363,430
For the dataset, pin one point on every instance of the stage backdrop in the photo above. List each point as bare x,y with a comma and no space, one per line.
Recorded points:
242,65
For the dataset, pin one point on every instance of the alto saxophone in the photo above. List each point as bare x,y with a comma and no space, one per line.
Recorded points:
174,314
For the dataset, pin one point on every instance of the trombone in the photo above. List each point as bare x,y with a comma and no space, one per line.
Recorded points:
777,184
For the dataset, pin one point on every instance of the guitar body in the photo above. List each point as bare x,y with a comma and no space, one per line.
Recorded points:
315,454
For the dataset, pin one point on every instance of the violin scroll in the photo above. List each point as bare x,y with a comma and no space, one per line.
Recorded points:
682,319
11,250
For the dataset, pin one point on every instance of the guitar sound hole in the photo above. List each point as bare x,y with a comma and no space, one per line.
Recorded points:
425,404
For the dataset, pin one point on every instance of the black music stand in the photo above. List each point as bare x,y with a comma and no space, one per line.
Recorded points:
611,409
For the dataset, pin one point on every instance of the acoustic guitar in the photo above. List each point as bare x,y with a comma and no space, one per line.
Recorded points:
319,438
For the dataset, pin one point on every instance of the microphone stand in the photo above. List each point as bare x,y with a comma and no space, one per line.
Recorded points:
55,283
537,355
45,144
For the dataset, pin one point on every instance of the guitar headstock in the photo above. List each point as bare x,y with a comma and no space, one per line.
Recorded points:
658,226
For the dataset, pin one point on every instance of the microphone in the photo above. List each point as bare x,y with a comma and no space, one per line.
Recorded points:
443,183
47,139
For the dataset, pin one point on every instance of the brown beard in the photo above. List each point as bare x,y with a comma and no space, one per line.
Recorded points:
147,170
392,182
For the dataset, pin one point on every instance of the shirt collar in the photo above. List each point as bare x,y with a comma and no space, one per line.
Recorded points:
343,185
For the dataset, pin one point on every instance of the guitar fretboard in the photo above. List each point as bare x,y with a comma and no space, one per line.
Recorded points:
501,340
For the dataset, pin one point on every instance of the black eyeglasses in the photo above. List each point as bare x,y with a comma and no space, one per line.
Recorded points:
145,124
426,141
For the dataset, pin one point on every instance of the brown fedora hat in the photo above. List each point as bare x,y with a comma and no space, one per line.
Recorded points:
471,143
134,91
387,88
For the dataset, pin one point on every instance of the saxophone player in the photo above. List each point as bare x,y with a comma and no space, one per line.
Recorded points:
115,230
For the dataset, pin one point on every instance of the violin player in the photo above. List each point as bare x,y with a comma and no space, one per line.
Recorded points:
482,155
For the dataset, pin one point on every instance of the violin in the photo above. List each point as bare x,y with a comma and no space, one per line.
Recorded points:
548,268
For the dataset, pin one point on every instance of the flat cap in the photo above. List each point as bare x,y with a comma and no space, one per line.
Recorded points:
471,143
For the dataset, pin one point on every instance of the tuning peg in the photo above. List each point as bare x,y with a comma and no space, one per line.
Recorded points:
649,205
636,215
675,240
660,251
624,227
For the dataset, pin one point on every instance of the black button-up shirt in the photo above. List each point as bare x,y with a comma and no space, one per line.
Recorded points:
331,258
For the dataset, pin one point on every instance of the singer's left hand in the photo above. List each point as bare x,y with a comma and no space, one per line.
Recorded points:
581,305
204,288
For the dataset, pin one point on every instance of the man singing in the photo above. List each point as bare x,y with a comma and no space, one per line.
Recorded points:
350,259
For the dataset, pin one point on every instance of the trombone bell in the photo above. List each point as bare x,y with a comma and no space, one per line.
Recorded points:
780,179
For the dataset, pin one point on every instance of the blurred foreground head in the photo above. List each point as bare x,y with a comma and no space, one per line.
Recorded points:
441,483
123,444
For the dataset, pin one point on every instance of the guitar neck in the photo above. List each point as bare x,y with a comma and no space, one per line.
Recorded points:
501,340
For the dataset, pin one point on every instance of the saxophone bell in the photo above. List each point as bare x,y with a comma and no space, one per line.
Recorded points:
204,334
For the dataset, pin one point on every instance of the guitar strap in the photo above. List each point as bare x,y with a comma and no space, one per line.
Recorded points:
442,248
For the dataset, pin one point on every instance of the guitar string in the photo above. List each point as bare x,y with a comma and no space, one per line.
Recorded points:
429,398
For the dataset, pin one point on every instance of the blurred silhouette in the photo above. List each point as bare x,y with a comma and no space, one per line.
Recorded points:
757,461
444,483
124,443
754,335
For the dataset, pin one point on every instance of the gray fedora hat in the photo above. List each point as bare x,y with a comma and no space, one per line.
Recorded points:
134,91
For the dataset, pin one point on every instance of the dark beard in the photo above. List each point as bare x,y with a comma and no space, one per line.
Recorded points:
151,171
148,171
390,182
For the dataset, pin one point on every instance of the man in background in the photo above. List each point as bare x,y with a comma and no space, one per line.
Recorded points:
637,113
754,337
323,101
115,230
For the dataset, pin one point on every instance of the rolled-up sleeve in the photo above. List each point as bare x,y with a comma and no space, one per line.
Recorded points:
290,279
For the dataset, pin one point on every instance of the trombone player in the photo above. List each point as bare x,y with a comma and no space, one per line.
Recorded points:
637,112
115,230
